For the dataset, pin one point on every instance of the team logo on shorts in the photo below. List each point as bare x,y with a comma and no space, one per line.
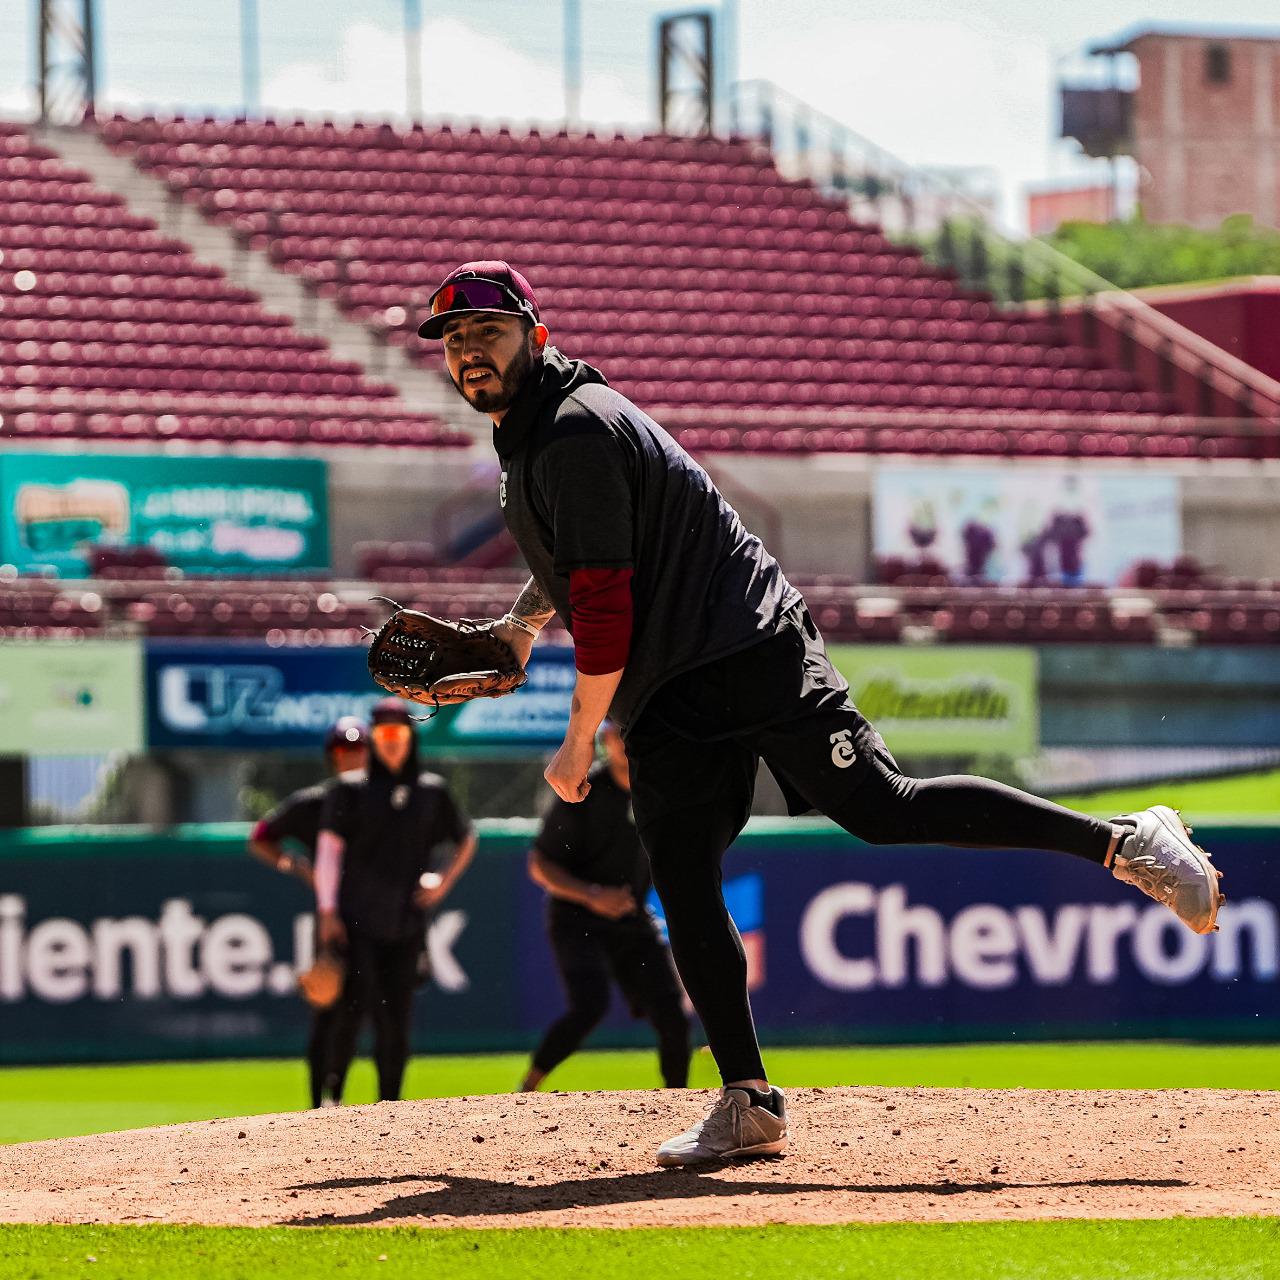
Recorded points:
843,752
502,490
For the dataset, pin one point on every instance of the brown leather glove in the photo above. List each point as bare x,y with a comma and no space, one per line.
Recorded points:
321,985
438,662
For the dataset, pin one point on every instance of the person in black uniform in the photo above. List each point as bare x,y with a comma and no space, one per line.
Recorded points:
687,633
296,820
589,860
392,845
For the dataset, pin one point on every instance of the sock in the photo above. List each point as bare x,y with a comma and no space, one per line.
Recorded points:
1125,830
769,1100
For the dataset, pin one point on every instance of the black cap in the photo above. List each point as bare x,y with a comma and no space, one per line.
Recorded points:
390,711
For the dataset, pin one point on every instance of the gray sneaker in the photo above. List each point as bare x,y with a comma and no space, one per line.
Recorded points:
1160,859
732,1129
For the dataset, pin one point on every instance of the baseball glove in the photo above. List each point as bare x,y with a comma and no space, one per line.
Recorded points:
438,662
321,985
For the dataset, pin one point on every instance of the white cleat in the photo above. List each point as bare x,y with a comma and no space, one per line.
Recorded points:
1161,860
733,1129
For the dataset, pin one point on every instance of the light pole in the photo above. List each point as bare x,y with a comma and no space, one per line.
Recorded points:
572,62
413,58
250,62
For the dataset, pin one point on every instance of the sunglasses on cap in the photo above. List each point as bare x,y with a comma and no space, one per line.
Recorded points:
477,295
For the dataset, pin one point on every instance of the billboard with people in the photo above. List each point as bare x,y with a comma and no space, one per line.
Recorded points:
1041,526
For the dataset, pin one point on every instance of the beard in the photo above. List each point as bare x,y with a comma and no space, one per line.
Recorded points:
511,379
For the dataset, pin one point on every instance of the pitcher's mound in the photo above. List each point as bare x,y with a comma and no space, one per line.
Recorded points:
586,1159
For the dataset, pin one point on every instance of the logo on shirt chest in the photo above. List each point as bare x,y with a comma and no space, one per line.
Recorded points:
502,490
399,796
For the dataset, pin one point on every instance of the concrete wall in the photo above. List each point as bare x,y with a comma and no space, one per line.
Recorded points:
814,512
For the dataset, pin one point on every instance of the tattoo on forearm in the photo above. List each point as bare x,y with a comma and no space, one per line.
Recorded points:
532,604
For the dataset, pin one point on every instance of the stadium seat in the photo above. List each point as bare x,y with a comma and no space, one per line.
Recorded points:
162,601
667,260
153,344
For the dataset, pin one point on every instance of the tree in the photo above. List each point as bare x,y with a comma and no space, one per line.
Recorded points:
1134,253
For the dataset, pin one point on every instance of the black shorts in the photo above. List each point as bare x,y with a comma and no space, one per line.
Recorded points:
700,740
588,947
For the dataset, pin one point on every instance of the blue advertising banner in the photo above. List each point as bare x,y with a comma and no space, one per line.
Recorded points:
141,945
912,943
253,696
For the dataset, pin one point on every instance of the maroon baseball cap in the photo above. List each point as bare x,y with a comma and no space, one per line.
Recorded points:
346,732
477,287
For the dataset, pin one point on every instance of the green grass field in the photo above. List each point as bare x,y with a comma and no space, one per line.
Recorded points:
1246,795
1173,1249
51,1102
45,1102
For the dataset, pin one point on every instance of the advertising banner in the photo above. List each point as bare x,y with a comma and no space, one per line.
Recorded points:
133,945
254,697
62,698
945,699
180,945
205,514
1029,524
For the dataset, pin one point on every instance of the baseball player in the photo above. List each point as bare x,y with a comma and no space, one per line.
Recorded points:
296,819
588,858
392,845
689,636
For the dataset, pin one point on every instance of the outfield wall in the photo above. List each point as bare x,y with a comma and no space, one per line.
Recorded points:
122,945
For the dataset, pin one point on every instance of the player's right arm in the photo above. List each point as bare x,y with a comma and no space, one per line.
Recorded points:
592,696
266,844
611,901
530,613
584,483
331,847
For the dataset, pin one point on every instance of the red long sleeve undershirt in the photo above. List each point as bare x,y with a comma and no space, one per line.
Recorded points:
602,619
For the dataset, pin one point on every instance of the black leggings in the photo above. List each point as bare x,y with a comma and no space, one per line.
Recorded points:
320,1057
381,977
864,791
588,954
963,810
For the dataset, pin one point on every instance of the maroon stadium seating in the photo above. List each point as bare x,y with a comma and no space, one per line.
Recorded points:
295,612
110,330
745,310
36,609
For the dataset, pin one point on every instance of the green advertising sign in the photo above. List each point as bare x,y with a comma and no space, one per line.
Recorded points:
60,698
946,699
203,514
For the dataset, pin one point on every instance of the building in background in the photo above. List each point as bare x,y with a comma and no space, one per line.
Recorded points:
1202,123
1048,207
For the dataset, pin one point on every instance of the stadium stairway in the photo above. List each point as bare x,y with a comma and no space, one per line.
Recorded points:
419,389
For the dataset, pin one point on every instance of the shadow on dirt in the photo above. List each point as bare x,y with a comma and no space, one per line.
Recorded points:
451,1195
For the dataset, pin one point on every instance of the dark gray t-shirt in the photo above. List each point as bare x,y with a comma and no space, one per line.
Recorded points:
393,832
591,482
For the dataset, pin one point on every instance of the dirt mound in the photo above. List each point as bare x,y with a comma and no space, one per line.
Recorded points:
586,1159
